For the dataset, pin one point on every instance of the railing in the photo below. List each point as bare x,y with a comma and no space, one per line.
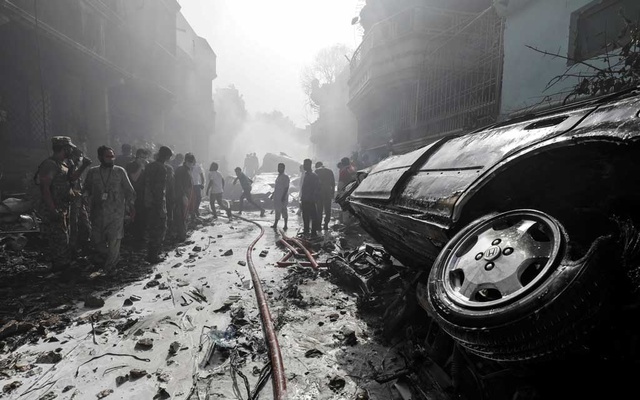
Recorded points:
425,20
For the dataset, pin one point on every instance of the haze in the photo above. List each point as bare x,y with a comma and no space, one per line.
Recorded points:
262,45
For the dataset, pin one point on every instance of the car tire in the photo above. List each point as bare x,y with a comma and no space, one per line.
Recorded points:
486,310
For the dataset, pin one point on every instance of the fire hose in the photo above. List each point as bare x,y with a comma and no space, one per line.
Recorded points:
279,379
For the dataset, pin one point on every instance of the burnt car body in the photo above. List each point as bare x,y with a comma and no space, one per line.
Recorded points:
525,230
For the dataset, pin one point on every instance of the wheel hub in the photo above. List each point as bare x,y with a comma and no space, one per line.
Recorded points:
501,259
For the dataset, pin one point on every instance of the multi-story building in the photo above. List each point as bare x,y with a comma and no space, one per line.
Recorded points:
425,69
100,71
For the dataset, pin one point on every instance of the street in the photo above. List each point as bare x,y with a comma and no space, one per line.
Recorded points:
154,338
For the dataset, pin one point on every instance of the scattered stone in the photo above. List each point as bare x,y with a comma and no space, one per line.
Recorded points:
127,303
320,323
173,348
49,358
264,253
144,344
10,387
121,379
151,283
337,384
61,309
349,337
362,395
163,376
48,396
219,236
104,393
134,297
313,353
197,248
334,317
137,373
228,253
52,339
244,264
67,388
93,302
12,328
177,265
161,395
163,286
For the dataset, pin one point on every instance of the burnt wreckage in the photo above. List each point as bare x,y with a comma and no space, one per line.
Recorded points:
525,231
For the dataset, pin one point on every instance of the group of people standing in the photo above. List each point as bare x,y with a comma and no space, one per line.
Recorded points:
156,194
149,193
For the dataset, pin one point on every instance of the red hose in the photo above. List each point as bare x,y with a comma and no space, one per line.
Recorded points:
278,377
312,260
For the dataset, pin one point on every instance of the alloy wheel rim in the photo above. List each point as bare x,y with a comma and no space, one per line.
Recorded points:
502,259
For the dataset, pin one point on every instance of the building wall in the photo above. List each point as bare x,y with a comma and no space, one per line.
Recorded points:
544,25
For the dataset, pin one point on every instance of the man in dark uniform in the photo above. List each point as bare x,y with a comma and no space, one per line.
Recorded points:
309,196
53,178
183,190
135,171
158,177
79,225
327,191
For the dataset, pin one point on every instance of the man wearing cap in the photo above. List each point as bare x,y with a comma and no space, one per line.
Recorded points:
111,194
158,189
79,225
327,191
135,171
54,181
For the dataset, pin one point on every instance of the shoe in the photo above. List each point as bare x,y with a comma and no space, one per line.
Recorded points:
285,227
326,227
262,213
274,226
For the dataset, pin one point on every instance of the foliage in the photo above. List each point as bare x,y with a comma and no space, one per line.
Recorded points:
325,68
617,69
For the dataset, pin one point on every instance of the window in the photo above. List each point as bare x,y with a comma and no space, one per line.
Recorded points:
595,27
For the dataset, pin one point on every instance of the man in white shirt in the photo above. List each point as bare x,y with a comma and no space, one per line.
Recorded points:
280,197
215,189
197,176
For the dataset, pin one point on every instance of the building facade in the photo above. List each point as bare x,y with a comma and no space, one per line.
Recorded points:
425,69
100,71
574,30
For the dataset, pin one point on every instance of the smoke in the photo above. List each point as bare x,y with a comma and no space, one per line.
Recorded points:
268,133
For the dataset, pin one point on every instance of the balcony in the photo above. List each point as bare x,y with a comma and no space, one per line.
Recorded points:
398,44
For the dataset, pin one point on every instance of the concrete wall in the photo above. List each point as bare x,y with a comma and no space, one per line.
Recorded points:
545,25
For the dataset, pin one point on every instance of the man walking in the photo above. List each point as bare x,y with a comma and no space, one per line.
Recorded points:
309,195
135,171
55,188
110,193
215,189
280,197
197,176
327,191
158,180
183,191
245,183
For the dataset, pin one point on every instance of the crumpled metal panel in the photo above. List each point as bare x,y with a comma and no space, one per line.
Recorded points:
436,192
384,176
486,148
618,120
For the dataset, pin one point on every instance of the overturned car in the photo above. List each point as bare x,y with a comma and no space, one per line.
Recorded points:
525,230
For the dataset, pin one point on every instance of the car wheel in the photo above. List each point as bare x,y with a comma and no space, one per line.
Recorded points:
504,288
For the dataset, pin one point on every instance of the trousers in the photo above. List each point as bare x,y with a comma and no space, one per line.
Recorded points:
309,216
